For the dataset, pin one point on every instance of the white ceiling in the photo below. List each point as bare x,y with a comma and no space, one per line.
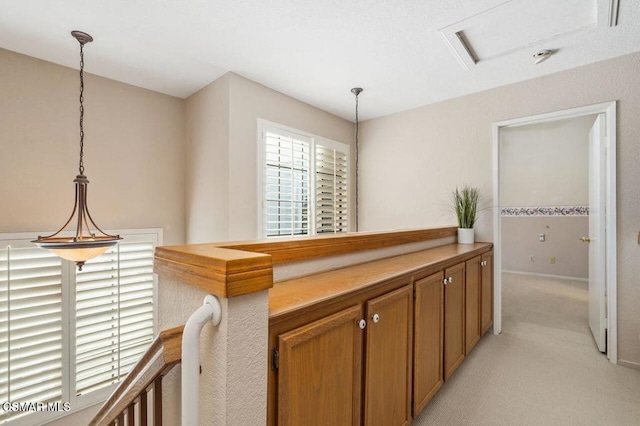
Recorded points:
312,50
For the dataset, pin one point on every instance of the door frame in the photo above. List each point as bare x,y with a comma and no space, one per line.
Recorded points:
609,110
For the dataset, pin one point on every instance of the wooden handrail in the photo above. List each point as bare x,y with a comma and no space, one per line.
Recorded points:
297,249
163,354
231,269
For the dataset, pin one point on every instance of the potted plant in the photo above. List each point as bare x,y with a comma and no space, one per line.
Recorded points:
465,205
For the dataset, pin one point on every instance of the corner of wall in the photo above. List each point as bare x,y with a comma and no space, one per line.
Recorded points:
206,162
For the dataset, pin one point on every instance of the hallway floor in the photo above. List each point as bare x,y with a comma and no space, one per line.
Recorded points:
544,369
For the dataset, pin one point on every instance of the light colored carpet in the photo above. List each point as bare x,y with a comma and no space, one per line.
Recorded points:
544,369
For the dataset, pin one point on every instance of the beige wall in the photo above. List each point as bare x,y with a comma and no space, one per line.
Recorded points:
134,152
520,241
429,150
546,164
250,101
222,134
233,355
207,171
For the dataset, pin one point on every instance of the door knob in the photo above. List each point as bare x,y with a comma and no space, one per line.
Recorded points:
585,239
362,324
445,281
450,280
376,317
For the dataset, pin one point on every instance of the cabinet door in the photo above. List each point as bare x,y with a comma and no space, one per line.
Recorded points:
453,319
486,296
320,372
472,304
388,359
428,339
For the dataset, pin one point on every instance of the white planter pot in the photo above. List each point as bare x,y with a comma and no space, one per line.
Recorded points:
465,236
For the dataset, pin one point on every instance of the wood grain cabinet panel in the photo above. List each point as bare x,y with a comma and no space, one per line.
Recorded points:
388,359
472,303
320,372
454,315
428,339
327,370
486,295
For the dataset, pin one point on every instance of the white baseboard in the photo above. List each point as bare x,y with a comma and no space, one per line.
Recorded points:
560,277
629,364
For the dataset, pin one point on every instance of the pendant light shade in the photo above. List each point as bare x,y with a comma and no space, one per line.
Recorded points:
86,244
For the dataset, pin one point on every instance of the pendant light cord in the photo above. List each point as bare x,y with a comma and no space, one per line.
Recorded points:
81,164
357,161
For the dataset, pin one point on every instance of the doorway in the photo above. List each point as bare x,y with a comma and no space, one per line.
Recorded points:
600,238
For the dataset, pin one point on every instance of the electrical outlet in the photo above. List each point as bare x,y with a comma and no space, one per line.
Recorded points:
532,258
552,259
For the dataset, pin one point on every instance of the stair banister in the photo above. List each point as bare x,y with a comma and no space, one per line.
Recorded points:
210,311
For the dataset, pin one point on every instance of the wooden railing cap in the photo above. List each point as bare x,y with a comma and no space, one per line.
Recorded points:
229,269
219,271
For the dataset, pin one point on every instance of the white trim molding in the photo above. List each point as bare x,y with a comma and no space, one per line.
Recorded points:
609,110
555,277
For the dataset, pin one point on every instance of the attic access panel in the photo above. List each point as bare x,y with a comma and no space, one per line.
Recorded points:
518,24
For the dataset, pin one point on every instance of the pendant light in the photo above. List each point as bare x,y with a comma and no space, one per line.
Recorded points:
85,244
356,91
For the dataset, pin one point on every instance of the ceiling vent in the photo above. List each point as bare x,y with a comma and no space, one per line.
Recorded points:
520,24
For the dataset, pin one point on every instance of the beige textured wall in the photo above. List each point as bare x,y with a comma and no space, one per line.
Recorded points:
429,150
222,140
233,383
248,102
546,164
134,150
520,240
207,171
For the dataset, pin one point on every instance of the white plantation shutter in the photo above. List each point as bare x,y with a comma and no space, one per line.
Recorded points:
286,183
114,314
30,325
110,314
331,189
304,183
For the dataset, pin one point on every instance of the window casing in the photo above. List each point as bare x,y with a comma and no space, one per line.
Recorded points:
304,186
68,335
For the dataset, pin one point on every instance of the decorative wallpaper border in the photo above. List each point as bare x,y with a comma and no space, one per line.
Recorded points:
545,211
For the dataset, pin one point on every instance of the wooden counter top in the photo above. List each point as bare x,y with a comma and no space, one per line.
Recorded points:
301,293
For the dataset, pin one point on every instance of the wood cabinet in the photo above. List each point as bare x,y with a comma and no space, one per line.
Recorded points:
472,303
486,292
428,339
320,371
424,311
320,366
388,359
478,298
454,316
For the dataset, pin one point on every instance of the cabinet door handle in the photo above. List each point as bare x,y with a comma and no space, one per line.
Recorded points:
450,280
362,324
445,281
375,317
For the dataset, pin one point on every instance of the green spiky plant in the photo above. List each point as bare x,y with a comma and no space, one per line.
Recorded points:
465,205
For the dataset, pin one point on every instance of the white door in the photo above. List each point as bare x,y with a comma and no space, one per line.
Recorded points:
596,238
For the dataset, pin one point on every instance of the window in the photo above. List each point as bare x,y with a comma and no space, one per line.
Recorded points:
304,183
69,335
